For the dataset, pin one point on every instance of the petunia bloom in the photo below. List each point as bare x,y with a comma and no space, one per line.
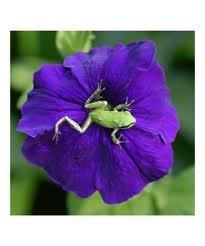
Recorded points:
89,162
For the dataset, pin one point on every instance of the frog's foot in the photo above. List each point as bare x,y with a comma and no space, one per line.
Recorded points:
99,89
118,140
96,95
57,133
126,105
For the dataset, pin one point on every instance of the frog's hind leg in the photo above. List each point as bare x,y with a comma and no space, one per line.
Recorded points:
73,124
115,139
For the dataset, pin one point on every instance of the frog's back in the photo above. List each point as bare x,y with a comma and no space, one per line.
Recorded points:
110,119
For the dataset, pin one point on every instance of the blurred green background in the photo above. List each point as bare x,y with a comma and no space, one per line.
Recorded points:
33,193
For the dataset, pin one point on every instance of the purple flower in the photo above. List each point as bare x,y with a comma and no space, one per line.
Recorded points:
84,163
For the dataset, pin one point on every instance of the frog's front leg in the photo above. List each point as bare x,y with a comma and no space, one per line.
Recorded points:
96,94
115,139
95,105
73,124
124,106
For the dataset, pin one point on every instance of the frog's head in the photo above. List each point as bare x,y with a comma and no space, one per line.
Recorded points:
130,119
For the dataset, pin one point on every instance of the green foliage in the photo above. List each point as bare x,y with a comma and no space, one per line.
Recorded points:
95,206
28,43
184,101
70,42
22,195
24,178
181,193
16,140
22,76
171,195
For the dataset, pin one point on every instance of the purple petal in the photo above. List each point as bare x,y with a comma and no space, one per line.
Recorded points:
56,94
149,152
157,115
70,162
124,172
58,81
84,163
143,83
124,63
87,67
118,179
152,105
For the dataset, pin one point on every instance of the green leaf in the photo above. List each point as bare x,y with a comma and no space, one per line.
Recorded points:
23,191
23,97
24,177
22,76
139,205
22,72
28,43
182,92
181,194
160,192
22,184
70,42
16,143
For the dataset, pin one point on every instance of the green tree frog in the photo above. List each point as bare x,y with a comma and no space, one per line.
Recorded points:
103,114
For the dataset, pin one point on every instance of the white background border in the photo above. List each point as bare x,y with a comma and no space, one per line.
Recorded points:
101,230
